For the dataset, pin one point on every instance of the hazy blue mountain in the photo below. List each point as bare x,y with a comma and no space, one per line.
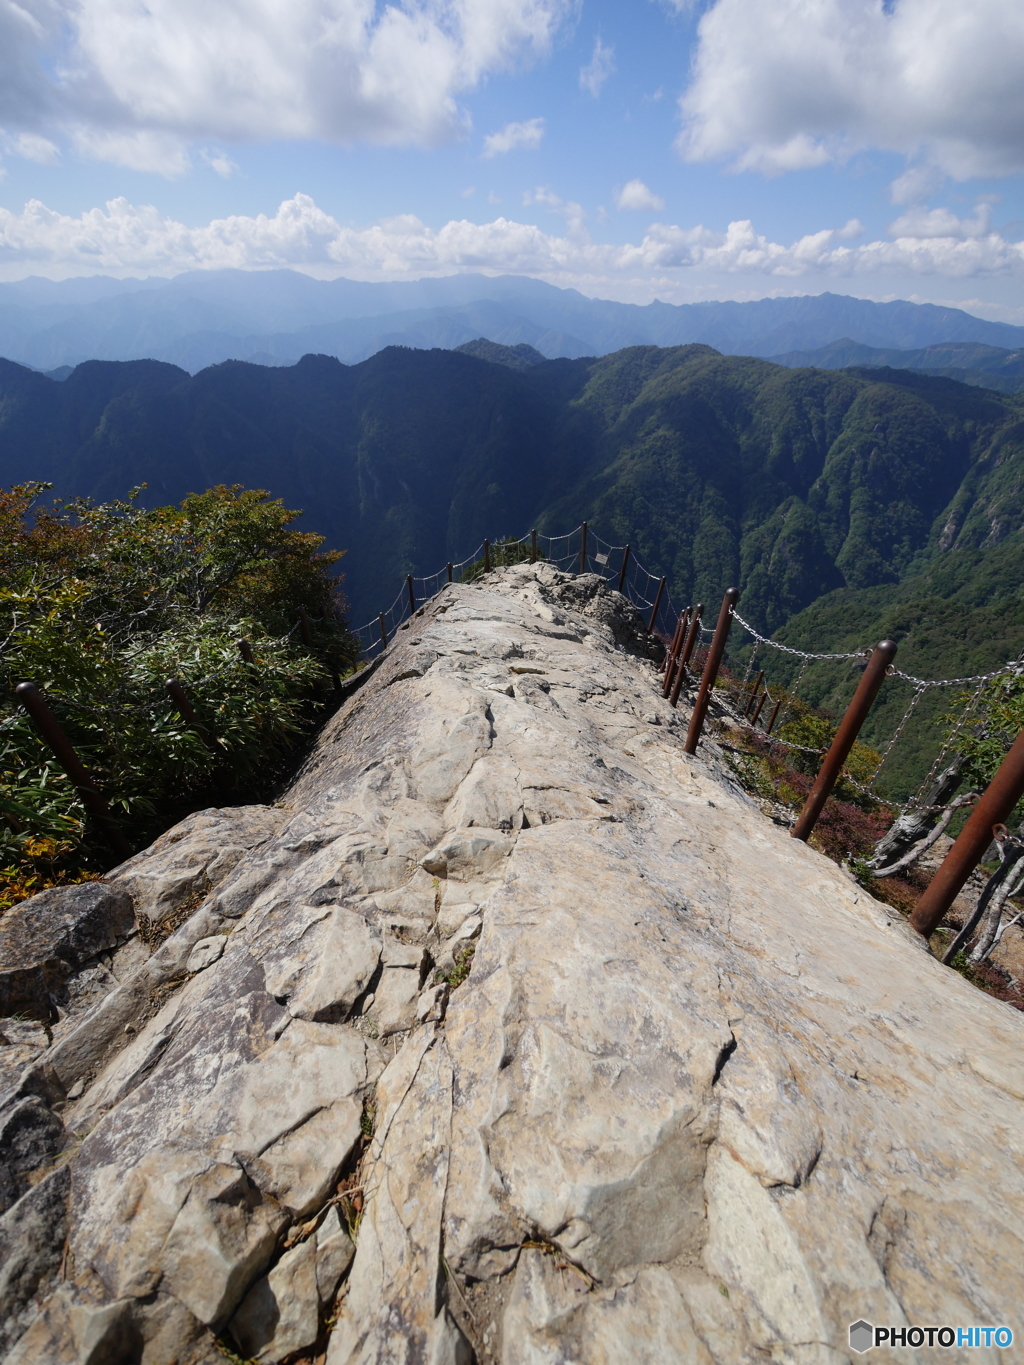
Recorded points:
991,367
521,357
202,318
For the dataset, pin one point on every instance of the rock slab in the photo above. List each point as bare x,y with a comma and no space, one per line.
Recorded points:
599,1064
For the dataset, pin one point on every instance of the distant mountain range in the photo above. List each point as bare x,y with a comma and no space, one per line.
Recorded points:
275,317
989,367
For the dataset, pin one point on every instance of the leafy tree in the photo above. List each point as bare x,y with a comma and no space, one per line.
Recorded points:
99,605
503,552
998,718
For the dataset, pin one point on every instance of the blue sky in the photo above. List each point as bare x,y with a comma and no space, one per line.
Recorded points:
871,147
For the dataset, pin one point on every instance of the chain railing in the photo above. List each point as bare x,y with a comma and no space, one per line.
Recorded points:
578,551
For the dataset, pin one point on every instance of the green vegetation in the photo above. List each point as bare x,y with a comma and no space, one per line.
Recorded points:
846,505
99,605
504,551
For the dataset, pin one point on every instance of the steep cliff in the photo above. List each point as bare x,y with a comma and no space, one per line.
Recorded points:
513,1034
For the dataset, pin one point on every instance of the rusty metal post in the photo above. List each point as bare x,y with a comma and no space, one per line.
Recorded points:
684,658
657,604
304,631
179,696
711,667
383,631
533,547
674,652
412,594
753,693
757,709
771,718
668,666
994,807
245,649
49,728
487,556
849,728
449,571
622,571
583,549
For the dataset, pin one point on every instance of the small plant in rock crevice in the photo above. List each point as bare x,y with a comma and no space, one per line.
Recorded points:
456,974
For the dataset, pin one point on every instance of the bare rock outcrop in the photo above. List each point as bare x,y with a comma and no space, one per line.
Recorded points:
521,1037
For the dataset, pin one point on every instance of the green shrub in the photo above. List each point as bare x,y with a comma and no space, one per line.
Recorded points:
99,606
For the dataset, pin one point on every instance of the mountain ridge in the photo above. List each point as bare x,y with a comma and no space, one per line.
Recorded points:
793,484
203,318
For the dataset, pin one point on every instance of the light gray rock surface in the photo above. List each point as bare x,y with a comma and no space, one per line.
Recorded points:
700,1099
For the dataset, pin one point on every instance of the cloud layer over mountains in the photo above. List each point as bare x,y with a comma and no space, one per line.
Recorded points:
130,239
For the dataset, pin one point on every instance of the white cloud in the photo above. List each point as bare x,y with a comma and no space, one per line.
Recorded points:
942,223
33,148
126,239
636,195
796,83
139,84
219,162
598,69
513,136
916,184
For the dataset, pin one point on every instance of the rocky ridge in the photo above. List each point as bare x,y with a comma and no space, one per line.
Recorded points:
513,1034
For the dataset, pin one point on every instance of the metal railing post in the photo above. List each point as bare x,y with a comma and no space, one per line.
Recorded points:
449,571
383,632
487,556
412,594
753,693
304,631
993,808
49,728
757,709
672,657
711,667
845,737
657,604
684,658
179,696
245,649
533,547
771,718
583,549
622,571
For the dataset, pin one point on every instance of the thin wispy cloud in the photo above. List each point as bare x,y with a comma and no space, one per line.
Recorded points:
513,137
598,69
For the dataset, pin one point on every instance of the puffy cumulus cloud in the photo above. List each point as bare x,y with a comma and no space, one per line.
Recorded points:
138,83
123,238
598,69
513,136
795,83
636,195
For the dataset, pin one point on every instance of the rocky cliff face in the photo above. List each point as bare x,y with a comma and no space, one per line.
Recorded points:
514,1035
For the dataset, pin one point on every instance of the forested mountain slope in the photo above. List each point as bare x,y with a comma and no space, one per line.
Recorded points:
793,483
